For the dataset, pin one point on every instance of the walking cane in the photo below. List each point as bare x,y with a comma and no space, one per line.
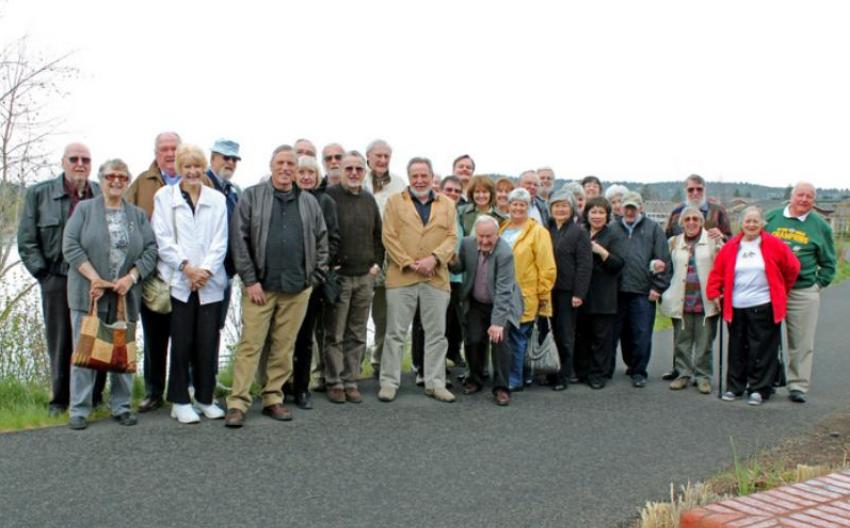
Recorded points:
720,374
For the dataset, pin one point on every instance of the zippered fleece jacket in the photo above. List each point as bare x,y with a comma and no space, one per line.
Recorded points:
645,243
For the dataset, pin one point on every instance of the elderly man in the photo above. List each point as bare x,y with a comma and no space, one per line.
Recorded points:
359,258
280,250
419,236
547,182
463,167
224,156
156,326
491,301
716,220
305,147
810,238
644,278
47,207
332,156
530,181
382,184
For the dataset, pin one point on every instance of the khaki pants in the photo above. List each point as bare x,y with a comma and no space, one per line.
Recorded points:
693,340
800,324
345,331
401,306
281,318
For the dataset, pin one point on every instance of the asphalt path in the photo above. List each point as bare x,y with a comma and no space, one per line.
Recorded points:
578,458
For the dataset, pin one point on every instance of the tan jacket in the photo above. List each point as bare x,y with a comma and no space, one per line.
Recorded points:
141,192
407,240
705,251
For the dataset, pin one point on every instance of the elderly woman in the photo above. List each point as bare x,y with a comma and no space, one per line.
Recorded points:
504,186
592,186
574,260
692,254
597,316
481,196
190,223
752,274
110,248
534,264
579,197
614,194
308,179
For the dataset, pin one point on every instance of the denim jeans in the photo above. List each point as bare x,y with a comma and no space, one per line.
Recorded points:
519,342
635,321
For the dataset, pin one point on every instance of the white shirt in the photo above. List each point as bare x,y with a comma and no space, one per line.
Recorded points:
201,240
751,288
396,185
787,214
534,212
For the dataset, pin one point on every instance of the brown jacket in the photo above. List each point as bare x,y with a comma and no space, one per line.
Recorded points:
140,192
406,240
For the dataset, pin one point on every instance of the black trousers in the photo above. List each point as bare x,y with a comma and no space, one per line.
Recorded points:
477,343
60,342
564,331
595,346
157,330
194,342
302,358
753,351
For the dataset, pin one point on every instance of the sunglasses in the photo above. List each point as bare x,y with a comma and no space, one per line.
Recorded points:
353,169
695,189
230,158
77,159
337,157
116,177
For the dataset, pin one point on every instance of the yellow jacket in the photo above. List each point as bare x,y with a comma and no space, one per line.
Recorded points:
406,240
534,263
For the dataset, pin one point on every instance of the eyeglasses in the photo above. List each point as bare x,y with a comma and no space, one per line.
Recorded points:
230,158
337,157
111,177
353,169
452,190
691,219
76,159
695,189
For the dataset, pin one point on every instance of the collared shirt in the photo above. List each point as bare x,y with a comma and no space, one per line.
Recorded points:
75,195
535,213
170,180
787,214
480,291
424,209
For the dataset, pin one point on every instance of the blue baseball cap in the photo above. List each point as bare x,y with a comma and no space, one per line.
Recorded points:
226,147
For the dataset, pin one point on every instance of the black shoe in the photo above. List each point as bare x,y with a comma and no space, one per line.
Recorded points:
669,376
126,418
150,403
596,384
56,410
304,401
77,423
638,381
797,396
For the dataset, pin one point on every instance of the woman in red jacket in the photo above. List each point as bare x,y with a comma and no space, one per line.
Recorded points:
752,274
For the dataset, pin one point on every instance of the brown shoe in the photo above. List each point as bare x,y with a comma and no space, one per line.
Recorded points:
234,418
471,388
336,395
680,383
150,404
353,395
502,398
278,412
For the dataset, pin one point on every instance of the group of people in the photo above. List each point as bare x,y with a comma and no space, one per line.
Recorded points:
485,267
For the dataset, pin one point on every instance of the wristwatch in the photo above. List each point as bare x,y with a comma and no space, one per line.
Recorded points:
182,265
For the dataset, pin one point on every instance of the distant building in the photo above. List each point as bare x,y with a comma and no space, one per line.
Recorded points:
659,210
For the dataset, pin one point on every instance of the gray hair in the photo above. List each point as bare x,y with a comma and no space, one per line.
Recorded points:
696,178
485,219
110,165
753,209
159,137
615,190
378,143
532,172
805,184
356,154
576,189
308,162
279,149
689,210
420,159
519,194
564,195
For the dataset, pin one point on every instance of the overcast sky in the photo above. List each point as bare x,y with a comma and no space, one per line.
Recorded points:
755,91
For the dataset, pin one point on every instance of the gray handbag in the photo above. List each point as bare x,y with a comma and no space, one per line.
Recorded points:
542,358
156,293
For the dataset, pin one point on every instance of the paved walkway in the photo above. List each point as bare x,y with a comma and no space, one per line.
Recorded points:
578,458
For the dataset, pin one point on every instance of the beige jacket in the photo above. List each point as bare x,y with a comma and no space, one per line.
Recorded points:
706,249
141,192
406,240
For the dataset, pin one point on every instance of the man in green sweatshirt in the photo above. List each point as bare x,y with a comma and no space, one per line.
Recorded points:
810,238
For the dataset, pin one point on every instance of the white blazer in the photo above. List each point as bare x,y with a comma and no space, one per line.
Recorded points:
201,240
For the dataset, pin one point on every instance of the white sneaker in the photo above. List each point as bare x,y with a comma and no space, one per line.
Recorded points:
728,396
185,414
211,411
755,399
